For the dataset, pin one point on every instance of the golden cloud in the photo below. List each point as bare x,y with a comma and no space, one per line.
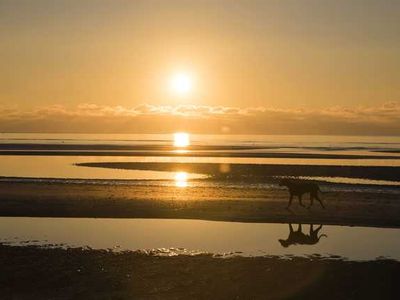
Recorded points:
146,118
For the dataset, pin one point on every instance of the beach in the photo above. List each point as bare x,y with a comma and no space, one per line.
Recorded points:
207,221
37,273
56,272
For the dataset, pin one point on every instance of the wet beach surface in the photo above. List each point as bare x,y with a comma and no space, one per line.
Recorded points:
39,273
224,203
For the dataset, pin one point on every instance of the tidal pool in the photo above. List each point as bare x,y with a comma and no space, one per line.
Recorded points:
172,237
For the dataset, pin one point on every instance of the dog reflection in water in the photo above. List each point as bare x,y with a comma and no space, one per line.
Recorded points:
300,238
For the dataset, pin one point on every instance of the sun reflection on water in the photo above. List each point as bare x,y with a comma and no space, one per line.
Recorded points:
181,179
180,151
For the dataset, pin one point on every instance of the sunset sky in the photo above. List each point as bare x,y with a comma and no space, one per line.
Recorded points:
226,66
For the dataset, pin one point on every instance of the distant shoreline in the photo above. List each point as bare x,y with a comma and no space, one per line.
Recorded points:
191,154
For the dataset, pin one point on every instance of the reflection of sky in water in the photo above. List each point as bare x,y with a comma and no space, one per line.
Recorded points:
64,167
358,243
38,166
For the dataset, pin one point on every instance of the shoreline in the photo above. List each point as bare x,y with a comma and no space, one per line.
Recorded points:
171,153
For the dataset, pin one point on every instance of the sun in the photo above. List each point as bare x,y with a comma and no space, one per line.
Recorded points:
181,139
181,84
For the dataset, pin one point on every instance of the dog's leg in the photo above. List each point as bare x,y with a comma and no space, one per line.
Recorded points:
301,203
290,200
320,201
311,200
323,206
299,229
311,229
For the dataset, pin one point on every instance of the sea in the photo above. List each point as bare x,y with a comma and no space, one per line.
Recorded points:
355,162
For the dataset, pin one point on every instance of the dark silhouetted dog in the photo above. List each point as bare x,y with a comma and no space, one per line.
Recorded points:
299,188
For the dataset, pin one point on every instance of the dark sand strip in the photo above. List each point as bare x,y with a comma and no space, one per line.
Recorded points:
37,273
208,203
259,172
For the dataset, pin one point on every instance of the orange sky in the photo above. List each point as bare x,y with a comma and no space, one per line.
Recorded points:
283,55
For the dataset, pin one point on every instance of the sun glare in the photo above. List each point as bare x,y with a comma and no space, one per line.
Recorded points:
181,84
181,179
181,139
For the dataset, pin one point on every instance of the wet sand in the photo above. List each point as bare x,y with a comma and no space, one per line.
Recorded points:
201,202
38,273
258,173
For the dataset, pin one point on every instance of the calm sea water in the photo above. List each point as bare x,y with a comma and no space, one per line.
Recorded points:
347,142
27,156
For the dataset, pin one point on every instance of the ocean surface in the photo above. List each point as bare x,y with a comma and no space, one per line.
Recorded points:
338,161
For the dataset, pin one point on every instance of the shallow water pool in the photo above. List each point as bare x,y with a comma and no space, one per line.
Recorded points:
172,237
